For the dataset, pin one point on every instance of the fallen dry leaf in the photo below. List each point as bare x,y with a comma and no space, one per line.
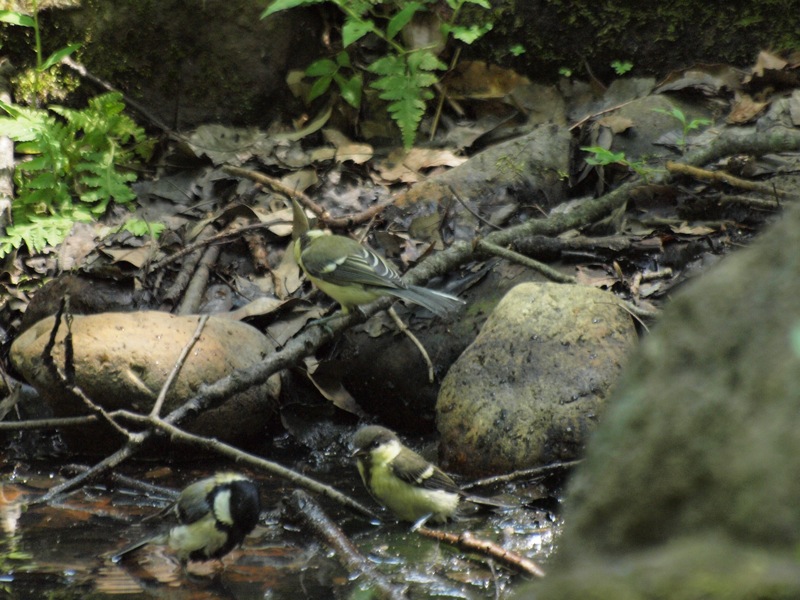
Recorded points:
404,167
616,123
745,109
477,80
346,149
710,79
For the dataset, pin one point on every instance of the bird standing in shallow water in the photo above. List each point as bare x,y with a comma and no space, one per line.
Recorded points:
353,274
214,515
404,482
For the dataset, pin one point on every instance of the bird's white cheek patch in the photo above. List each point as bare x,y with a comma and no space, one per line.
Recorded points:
222,507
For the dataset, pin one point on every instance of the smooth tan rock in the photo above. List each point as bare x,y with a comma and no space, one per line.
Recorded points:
532,386
123,359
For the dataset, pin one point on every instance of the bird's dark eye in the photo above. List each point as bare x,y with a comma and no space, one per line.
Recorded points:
375,444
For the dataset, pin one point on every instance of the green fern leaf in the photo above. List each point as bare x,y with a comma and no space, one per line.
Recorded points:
405,83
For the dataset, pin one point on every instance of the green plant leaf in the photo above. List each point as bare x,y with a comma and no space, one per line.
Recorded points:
322,67
343,60
140,227
467,34
319,87
56,56
401,19
36,235
350,89
602,156
424,60
354,29
621,67
280,5
80,156
15,18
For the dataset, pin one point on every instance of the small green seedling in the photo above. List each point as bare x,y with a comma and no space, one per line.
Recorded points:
687,125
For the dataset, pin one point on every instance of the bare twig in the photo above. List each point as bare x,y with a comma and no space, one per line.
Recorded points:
521,474
738,182
193,296
546,270
404,328
48,423
468,208
346,553
240,456
228,235
467,541
322,214
162,394
138,107
181,281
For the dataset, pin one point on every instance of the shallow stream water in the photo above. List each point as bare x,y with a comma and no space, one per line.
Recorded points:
63,550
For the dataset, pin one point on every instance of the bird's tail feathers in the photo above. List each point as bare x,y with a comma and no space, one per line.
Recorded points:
158,539
435,301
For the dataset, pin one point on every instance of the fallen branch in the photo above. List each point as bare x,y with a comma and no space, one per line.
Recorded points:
715,176
414,340
154,424
520,474
262,464
322,214
315,519
467,541
53,423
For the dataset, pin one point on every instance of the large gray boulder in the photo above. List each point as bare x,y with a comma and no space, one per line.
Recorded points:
690,487
533,384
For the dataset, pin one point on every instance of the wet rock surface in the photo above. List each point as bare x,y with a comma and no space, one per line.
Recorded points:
532,386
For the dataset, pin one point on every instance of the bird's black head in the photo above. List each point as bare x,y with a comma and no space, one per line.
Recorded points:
245,505
236,505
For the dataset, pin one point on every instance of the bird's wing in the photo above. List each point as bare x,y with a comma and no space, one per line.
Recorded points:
193,503
356,264
418,471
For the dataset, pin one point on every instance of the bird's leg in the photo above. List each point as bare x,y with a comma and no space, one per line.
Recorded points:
323,321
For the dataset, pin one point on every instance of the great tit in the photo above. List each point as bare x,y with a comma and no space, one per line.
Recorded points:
214,516
405,483
353,274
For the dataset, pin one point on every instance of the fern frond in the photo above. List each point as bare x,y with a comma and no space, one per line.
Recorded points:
405,81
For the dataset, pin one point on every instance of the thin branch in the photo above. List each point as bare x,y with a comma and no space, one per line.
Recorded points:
468,208
467,541
162,394
533,264
263,464
221,237
193,295
315,519
322,214
85,73
404,329
738,182
48,423
520,474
